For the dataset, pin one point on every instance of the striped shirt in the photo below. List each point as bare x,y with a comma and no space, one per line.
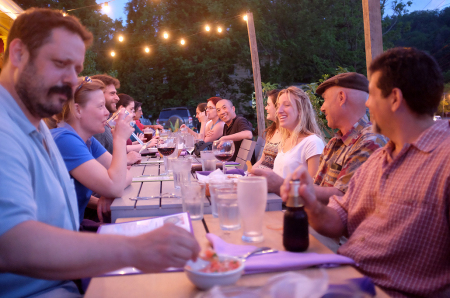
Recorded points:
344,154
396,212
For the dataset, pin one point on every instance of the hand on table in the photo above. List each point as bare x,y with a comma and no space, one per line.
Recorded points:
133,157
306,189
274,181
153,142
104,207
168,246
157,126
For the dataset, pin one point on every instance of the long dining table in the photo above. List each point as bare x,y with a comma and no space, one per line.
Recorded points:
176,284
153,167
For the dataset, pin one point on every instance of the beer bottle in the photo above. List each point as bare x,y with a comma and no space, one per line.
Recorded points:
295,230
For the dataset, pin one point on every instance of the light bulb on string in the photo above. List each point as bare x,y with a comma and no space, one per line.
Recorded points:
182,41
245,18
64,14
219,29
105,7
120,38
166,35
113,53
207,28
147,49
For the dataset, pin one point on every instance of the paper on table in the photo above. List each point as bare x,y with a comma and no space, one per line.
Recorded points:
281,261
139,227
152,179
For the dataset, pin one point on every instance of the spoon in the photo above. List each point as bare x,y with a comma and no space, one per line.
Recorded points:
200,263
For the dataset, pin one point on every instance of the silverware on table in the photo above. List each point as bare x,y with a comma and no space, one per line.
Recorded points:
163,196
259,251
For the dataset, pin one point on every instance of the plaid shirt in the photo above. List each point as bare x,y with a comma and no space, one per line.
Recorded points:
344,154
396,211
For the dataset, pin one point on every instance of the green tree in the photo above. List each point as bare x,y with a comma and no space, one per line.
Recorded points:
101,26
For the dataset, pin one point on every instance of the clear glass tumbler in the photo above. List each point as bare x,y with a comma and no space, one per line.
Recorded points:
181,168
193,198
228,210
213,186
252,201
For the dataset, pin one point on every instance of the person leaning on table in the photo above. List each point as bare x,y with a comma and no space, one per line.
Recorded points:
396,208
40,247
236,128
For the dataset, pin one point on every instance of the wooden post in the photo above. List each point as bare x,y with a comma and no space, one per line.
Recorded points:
256,75
372,30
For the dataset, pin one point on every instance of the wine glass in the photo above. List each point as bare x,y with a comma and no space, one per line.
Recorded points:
223,151
189,143
166,146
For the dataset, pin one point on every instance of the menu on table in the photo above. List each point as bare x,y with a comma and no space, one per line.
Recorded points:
135,228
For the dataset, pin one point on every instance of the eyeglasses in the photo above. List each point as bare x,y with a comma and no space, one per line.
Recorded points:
86,80
210,108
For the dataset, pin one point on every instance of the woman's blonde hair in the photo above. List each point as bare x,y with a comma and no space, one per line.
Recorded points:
306,119
81,96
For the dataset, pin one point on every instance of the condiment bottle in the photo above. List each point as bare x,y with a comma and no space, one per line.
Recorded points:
295,230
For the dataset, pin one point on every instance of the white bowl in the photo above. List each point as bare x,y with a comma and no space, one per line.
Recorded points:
205,280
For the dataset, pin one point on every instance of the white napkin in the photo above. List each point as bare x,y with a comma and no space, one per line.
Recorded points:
217,175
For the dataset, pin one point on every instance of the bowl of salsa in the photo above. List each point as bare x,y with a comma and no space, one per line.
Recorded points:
221,270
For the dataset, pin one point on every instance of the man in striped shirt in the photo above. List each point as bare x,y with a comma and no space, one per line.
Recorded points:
396,208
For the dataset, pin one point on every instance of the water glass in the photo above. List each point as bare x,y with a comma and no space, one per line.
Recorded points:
213,186
170,161
228,210
208,160
181,171
252,201
192,196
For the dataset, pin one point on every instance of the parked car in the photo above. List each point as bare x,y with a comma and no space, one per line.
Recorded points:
435,118
171,115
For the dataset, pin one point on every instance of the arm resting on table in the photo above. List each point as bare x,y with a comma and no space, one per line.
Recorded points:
38,250
246,134
323,193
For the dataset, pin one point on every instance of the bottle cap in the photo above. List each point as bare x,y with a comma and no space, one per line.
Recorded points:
294,199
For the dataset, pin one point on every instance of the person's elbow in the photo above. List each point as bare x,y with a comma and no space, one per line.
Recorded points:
248,134
113,190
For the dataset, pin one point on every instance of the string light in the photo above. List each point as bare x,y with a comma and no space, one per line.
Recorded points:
245,18
219,29
166,36
64,14
147,50
207,28
105,7
182,41
113,53
120,38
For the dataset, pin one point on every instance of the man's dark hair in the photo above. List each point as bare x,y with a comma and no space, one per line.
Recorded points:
415,73
107,80
137,105
124,100
34,28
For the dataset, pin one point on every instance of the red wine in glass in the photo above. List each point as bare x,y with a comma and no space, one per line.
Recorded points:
223,156
166,151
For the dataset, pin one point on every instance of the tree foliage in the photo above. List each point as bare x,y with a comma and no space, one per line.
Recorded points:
298,42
